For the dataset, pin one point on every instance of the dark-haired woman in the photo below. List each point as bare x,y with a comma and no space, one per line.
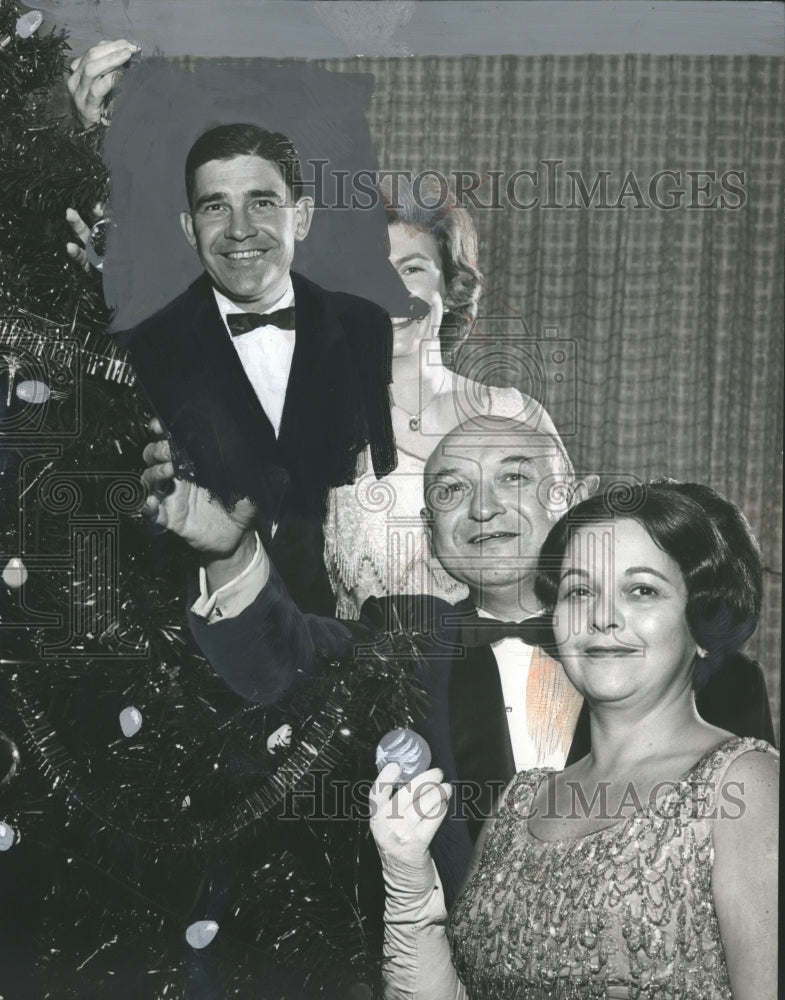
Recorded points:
730,689
648,868
375,542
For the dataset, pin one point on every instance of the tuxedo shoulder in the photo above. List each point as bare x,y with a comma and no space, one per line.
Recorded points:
341,303
410,612
349,303
368,327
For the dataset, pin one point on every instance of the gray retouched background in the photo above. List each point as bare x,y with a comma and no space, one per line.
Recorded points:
328,29
164,105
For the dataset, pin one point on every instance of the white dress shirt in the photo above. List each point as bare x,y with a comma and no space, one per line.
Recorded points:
236,594
513,658
265,354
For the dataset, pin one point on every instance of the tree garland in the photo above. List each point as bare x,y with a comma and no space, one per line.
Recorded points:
159,837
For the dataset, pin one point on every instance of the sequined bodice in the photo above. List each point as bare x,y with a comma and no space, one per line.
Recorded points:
624,912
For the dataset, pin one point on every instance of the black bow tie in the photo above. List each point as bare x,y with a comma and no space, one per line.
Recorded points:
476,631
240,323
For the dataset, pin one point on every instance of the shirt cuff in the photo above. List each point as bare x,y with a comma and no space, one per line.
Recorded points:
233,597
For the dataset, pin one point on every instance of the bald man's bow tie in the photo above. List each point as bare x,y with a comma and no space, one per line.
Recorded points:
476,631
240,323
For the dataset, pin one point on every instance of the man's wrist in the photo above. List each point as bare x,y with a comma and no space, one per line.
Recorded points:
221,569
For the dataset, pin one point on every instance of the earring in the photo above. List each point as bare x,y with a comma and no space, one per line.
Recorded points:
702,653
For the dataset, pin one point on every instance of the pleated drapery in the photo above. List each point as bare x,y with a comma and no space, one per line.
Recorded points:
675,315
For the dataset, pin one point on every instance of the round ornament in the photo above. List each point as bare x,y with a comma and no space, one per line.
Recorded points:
130,721
15,574
33,391
406,748
201,933
7,836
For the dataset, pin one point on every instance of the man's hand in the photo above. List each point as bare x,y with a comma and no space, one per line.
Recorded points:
404,822
93,76
76,251
227,540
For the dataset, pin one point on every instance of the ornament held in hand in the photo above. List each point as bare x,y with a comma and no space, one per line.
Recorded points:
405,748
95,248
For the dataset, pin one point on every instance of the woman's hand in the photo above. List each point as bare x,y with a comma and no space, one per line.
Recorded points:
417,962
404,822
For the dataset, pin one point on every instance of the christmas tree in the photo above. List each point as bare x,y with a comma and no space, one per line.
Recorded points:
159,837
47,165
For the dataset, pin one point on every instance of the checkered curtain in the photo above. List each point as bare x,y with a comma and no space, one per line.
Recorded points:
676,316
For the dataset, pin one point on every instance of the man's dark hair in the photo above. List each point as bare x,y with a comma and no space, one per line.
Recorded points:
706,536
227,141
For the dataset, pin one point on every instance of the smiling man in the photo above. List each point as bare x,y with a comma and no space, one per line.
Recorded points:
244,224
493,489
267,385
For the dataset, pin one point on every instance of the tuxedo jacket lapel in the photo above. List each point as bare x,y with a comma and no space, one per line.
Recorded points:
478,727
478,720
222,375
322,404
201,393
336,401
307,391
581,740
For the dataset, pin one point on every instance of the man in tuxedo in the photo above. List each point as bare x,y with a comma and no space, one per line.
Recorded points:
267,385
497,703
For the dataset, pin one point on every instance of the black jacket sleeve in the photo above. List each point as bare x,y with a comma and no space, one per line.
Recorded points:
272,646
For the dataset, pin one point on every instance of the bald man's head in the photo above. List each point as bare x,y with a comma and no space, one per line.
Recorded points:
493,488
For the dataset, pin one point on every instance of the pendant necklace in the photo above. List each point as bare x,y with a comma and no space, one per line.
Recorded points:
415,421
414,418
